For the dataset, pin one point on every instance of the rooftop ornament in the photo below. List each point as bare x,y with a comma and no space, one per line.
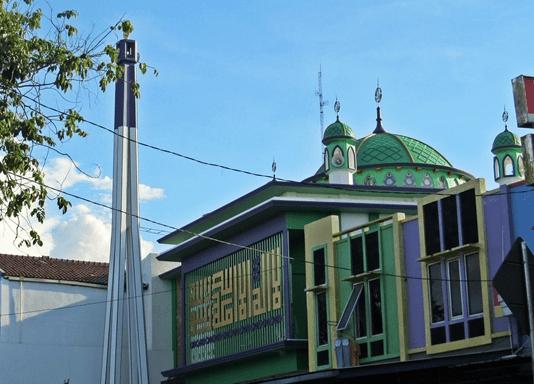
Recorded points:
378,99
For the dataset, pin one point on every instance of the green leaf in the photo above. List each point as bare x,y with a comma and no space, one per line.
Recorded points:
142,67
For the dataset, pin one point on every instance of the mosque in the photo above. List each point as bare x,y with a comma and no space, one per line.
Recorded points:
377,266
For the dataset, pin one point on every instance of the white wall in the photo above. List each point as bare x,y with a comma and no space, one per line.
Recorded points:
54,332
50,333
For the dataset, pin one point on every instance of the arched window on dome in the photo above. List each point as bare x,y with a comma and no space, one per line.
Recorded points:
326,160
409,180
508,165
427,181
351,157
389,180
442,182
496,168
337,157
520,165
369,180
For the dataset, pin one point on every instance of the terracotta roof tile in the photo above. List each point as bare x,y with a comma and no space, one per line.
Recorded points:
46,267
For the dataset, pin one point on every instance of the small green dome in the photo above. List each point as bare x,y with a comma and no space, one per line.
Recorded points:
506,139
338,130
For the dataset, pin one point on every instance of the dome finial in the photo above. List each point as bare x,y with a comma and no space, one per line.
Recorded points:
337,107
378,93
505,118
378,99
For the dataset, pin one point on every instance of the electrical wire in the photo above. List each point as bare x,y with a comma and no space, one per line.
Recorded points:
331,186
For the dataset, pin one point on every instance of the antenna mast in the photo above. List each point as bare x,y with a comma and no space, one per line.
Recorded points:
322,103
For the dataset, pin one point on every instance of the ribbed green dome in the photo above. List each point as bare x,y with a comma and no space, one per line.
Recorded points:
506,139
338,130
387,148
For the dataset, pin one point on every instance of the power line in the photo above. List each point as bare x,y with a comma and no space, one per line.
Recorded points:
330,186
251,248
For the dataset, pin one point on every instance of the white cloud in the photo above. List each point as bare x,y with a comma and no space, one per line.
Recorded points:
62,173
13,232
149,193
84,233
86,237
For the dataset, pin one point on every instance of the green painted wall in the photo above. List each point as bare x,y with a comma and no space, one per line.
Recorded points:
298,285
254,367
388,288
297,220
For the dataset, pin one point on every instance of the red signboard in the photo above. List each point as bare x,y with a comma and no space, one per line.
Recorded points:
524,100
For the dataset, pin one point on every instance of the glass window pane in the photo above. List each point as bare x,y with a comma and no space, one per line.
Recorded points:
474,285
457,331
476,327
363,351
322,319
455,289
356,254
438,335
372,251
377,348
375,303
450,222
318,267
431,220
323,358
436,293
468,211
360,322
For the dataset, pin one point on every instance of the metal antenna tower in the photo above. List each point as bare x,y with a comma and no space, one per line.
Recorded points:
322,103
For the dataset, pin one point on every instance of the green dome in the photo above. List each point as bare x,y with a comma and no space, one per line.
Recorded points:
338,130
387,148
506,139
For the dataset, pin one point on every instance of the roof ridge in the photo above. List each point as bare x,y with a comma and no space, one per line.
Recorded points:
49,258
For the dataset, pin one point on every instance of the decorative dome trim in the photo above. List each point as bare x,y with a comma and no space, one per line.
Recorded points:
506,139
338,130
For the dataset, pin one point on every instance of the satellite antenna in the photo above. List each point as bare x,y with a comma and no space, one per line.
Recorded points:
322,103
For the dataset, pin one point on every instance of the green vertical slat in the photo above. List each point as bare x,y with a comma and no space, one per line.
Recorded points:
258,337
174,323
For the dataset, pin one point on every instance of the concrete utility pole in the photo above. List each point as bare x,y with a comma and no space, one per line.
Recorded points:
124,281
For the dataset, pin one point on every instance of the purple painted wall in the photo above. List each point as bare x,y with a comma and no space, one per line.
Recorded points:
414,290
522,203
498,223
247,237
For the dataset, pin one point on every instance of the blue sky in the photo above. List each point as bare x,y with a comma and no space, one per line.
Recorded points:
237,83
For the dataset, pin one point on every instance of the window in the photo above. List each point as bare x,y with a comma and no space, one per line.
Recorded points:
322,319
508,166
365,253
322,327
454,264
368,323
455,299
351,155
450,222
496,168
319,272
367,292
